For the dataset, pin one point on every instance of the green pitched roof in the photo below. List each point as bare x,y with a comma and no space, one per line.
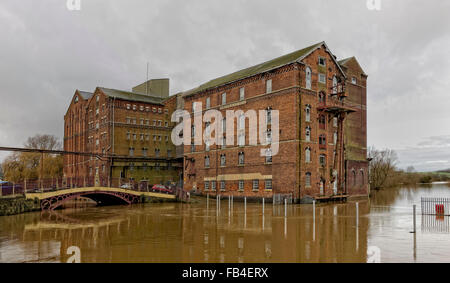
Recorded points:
261,68
85,95
131,96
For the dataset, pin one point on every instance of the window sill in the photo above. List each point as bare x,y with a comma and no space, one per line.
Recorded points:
268,190
267,163
241,165
223,190
255,190
241,191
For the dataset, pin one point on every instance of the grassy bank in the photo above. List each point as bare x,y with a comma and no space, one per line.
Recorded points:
17,205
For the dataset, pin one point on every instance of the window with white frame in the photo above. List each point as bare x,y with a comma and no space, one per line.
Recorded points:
206,186
207,160
268,155
268,86
308,155
308,113
269,136
269,115
268,184
354,81
241,93
255,185
213,185
322,61
335,137
223,160
241,185
241,157
308,179
335,85
308,134
224,98
322,78
308,74
208,102
335,121
222,185
322,160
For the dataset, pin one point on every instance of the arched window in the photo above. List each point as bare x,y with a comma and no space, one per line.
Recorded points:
354,177
308,155
362,177
308,78
308,179
335,83
308,134
308,113
322,121
321,97
322,160
207,161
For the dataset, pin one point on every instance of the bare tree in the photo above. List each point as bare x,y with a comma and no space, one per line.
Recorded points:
48,142
382,166
19,166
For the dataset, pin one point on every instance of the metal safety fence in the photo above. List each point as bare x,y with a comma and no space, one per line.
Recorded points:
435,206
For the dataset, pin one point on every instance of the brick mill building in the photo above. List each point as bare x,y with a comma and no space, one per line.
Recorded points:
132,128
322,130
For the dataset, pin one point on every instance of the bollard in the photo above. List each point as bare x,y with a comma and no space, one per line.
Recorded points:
414,218
245,204
263,206
314,210
229,202
232,202
357,214
285,207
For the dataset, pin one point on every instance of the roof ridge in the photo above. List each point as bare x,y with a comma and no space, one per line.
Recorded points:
256,69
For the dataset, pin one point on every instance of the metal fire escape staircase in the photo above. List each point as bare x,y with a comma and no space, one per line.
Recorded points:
334,105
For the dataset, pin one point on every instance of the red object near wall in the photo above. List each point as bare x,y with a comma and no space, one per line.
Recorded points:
440,209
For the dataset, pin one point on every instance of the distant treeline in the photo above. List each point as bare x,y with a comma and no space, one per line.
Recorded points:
384,173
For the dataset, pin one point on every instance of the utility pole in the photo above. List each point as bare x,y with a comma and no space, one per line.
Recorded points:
41,174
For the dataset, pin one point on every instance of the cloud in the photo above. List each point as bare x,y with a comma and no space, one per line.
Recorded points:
50,52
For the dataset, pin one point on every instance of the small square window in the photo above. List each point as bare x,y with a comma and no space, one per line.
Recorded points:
322,61
322,78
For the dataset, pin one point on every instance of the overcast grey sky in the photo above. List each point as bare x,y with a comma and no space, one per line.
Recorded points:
47,51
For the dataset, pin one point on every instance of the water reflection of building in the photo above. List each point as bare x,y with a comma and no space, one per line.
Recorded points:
189,233
334,237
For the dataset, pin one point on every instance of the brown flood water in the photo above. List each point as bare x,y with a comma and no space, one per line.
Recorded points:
175,232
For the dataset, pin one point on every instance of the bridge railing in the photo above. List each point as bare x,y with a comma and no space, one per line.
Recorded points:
54,184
